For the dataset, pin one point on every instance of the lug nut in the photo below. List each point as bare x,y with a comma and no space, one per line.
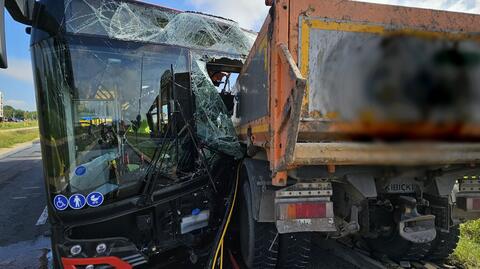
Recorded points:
101,248
75,250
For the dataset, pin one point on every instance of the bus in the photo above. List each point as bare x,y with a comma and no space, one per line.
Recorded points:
137,143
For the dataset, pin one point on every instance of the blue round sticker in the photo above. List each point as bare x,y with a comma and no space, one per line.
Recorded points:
76,201
60,202
80,171
94,199
196,211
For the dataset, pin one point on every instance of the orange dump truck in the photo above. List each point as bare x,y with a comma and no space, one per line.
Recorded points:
360,120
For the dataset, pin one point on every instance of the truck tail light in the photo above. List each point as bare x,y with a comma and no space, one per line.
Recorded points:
304,210
475,203
469,204
305,207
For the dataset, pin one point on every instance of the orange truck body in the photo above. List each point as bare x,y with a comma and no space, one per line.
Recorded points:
297,106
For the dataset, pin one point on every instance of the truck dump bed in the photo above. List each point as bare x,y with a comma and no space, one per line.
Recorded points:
336,82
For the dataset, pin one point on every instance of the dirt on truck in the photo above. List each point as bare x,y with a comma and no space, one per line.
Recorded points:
360,122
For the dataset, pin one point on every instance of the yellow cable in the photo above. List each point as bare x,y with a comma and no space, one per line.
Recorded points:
221,256
220,245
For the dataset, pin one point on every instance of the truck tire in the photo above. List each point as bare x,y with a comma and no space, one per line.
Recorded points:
294,250
444,244
258,241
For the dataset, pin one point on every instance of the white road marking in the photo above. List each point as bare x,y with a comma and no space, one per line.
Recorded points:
19,197
43,217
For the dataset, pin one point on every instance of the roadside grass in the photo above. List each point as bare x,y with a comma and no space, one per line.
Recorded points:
15,125
8,139
467,252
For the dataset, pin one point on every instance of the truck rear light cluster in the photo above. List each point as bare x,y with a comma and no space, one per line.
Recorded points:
468,197
475,203
469,203
305,207
302,210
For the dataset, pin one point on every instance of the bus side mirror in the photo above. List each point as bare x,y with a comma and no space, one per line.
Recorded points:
3,45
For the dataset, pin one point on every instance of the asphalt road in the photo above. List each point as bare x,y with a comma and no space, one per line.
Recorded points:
22,201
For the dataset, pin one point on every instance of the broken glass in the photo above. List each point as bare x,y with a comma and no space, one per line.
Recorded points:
140,22
110,108
214,125
207,36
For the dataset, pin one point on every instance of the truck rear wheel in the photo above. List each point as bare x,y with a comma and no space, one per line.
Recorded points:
258,241
444,244
295,250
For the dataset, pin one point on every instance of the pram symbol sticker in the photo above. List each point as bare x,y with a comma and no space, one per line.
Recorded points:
94,199
60,202
76,201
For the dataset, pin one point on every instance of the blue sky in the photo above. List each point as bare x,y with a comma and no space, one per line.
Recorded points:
16,81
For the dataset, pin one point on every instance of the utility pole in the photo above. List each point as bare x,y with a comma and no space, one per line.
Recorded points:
1,107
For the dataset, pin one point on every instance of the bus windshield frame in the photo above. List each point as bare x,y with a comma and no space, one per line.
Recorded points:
106,128
108,109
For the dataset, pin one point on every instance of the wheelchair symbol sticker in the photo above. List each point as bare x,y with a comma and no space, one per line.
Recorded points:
60,202
76,201
94,199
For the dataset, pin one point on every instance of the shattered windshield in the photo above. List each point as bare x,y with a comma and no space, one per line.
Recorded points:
137,22
118,90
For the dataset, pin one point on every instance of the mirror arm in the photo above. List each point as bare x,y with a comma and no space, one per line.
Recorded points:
21,10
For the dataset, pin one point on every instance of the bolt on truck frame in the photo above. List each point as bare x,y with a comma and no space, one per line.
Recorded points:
361,122
137,144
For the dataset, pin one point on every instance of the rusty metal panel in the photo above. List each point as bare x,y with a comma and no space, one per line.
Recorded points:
351,153
409,18
382,73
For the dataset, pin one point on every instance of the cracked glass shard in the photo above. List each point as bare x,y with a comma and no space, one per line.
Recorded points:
214,125
206,36
137,22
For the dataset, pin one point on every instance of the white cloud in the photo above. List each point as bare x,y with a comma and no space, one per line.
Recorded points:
249,14
18,104
468,6
19,69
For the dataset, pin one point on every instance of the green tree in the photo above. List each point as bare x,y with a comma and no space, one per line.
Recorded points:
8,111
11,112
30,115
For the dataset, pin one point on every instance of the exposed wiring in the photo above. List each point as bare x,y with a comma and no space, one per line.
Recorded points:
219,247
